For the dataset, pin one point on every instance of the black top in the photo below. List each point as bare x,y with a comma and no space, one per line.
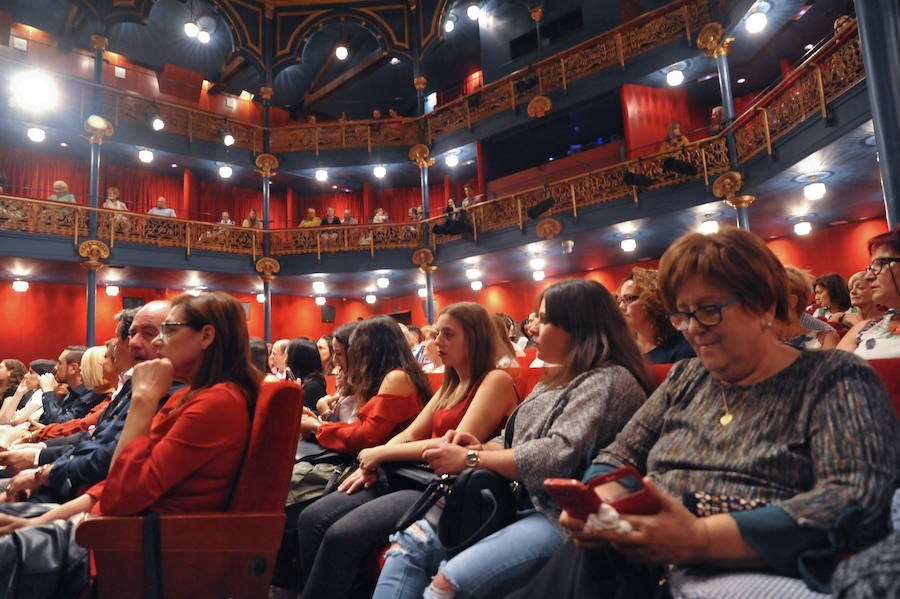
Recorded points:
676,349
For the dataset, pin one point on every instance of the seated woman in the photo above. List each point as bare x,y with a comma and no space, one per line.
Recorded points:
642,306
674,139
506,351
580,404
343,405
454,220
747,449
25,404
305,366
326,353
11,374
382,372
434,363
339,531
862,307
184,458
880,338
832,297
792,331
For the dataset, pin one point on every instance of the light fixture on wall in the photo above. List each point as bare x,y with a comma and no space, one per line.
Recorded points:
537,263
803,227
452,158
450,23
709,226
261,297
153,119
112,290
382,282
321,175
145,155
423,292
318,287
225,171
675,74
320,300
538,275
225,134
341,51
370,299
756,19
20,286
476,285
473,11
472,273
36,134
379,172
628,244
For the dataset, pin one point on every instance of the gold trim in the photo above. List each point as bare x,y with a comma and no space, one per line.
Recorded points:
95,251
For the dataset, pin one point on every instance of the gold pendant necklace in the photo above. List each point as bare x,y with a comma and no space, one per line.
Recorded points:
727,417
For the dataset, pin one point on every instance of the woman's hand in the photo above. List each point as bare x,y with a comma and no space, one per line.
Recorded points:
10,523
463,438
671,536
446,458
150,383
359,478
370,458
309,422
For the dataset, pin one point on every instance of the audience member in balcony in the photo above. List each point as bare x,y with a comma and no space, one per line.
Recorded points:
792,331
114,202
340,530
716,120
642,305
304,365
746,448
470,199
380,216
311,219
349,218
832,297
252,221
454,220
76,399
161,209
880,337
225,218
411,231
2,181
182,458
61,193
674,139
329,238
577,407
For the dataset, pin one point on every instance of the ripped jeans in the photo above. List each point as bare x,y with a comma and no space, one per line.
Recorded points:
493,567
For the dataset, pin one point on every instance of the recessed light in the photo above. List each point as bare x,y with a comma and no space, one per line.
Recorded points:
808,47
394,60
742,80
63,144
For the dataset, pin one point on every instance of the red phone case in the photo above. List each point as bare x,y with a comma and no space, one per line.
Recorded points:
574,496
638,502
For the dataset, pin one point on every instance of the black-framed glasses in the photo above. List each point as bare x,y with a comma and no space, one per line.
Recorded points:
878,265
628,299
166,327
708,316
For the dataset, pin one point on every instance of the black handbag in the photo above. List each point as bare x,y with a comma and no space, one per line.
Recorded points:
477,502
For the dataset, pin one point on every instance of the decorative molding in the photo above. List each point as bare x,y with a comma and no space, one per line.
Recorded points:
548,228
710,40
727,185
537,13
268,268
539,107
266,165
99,42
420,83
265,92
424,258
419,154
97,128
95,251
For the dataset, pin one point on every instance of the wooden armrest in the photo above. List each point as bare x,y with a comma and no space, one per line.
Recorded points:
203,555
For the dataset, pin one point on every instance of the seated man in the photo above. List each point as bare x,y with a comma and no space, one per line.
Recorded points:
161,209
78,399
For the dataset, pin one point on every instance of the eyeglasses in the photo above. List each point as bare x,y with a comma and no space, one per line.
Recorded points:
165,328
628,299
707,316
878,264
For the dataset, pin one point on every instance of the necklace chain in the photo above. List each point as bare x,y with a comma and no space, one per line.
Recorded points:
727,417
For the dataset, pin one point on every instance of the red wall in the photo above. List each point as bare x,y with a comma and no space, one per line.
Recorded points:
648,111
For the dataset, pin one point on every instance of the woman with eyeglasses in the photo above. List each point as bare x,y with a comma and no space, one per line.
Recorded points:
641,305
759,456
880,337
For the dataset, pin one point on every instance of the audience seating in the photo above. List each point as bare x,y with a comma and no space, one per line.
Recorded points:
213,555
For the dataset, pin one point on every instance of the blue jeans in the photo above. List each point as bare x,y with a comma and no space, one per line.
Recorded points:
496,565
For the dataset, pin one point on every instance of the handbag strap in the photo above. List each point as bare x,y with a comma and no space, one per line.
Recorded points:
486,522
153,587
435,490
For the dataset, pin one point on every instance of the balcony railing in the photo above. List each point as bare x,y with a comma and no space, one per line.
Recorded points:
831,71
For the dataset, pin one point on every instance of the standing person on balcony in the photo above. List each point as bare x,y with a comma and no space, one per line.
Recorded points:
61,193
161,209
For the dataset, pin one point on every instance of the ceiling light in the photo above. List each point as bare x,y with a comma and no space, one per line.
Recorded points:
225,171
814,191
450,24
112,290
226,135
145,156
538,275
382,282
34,91
203,36
196,291
36,134
318,287
63,144
320,301
742,80
675,77
472,273
379,172
709,226
20,286
473,11
153,119
628,244
803,227
451,159
191,29
423,292
321,175
394,60
537,263
174,165
261,297
476,285
808,47
370,299
341,51
756,20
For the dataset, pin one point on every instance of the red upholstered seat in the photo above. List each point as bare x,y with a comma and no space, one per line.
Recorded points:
889,371
213,555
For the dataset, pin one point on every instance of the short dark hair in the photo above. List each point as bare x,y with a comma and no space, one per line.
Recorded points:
259,354
74,353
891,239
124,318
837,290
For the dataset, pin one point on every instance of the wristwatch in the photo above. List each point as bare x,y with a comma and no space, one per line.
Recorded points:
472,459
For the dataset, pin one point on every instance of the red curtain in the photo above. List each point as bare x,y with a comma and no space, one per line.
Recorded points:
140,188
30,173
648,111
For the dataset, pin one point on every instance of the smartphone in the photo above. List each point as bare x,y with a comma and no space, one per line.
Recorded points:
640,501
574,496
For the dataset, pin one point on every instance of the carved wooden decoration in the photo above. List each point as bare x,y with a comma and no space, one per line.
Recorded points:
548,228
539,107
268,268
424,258
94,251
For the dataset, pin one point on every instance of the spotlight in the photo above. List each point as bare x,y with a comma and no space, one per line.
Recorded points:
756,20
261,298
803,227
341,51
225,171
709,226
476,285
318,287
321,175
628,244
675,77
394,60
203,36
320,301
20,286
451,159
379,172
36,134
191,29
112,290
537,263
450,24
473,11
538,275
472,273
153,119
423,293
814,191
34,91
382,282
225,134
145,156
370,299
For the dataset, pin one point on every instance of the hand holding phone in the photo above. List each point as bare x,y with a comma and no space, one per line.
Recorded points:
580,499
574,496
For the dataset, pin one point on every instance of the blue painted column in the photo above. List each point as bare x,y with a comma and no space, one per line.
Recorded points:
269,163
99,43
879,31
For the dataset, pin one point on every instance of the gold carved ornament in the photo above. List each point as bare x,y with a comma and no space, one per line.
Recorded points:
266,165
420,83
95,251
265,92
424,258
97,128
267,268
726,187
710,40
419,154
548,228
537,13
539,106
